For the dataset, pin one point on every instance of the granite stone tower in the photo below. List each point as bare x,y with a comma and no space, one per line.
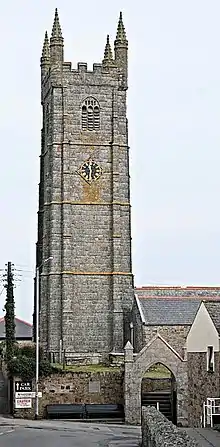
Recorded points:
86,286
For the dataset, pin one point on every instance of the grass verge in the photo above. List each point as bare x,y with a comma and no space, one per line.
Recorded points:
87,368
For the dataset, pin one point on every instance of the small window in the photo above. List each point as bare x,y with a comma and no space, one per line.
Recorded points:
90,114
210,359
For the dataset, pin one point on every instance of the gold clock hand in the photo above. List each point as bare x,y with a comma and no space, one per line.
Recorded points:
90,172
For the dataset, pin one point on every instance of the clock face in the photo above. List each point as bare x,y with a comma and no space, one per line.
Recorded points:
90,171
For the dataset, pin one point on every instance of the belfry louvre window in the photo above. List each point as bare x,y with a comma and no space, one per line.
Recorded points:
90,114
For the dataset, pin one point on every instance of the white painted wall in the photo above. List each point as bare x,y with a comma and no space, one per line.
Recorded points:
202,333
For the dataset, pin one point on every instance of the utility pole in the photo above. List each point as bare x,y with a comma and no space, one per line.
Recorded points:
10,313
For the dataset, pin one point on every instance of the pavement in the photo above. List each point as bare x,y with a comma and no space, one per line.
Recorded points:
23,433
206,437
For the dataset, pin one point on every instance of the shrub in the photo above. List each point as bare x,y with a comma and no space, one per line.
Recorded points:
23,364
28,350
2,348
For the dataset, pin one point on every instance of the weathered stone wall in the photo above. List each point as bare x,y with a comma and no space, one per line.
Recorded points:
88,285
138,328
157,431
77,387
201,384
149,385
174,335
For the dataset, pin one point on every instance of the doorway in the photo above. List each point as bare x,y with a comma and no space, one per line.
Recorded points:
158,389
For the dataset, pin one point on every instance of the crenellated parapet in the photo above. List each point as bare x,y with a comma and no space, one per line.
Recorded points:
52,59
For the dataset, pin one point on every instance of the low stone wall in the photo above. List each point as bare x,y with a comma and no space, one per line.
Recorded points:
157,431
77,387
149,385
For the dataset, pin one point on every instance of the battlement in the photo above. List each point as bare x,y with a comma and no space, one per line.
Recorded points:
52,58
82,67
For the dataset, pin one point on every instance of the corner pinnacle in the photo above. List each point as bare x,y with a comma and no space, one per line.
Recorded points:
56,30
108,57
121,34
46,48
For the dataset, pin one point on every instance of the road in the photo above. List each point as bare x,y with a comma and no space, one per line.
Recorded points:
14,433
23,433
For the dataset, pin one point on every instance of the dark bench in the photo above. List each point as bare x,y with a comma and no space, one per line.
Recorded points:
85,411
104,411
65,411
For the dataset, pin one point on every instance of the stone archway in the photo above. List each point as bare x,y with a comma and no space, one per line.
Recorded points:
158,388
156,351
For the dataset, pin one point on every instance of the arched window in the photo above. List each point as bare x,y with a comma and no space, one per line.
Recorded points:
90,114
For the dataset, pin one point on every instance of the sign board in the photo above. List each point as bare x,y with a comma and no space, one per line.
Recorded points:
28,395
23,387
23,403
94,386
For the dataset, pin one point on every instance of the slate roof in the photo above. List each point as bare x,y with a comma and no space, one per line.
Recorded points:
213,308
23,330
168,312
203,292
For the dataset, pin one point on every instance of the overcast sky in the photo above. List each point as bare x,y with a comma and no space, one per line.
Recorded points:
174,130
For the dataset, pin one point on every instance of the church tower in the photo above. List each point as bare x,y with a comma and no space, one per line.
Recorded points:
84,228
